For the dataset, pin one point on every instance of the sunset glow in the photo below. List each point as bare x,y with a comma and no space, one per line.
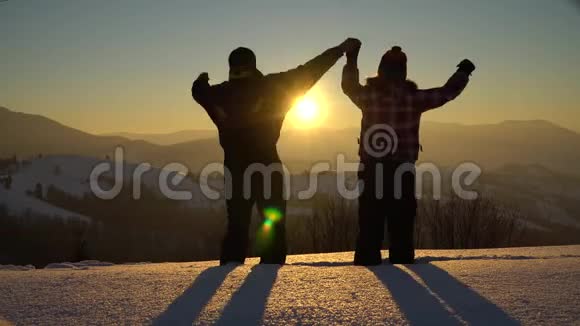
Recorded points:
307,112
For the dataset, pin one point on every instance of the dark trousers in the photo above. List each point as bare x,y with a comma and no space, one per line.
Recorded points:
399,209
271,235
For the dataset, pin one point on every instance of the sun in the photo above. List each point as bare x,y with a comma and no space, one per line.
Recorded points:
307,112
306,109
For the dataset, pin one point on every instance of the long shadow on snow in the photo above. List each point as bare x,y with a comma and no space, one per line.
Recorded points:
418,305
186,308
248,303
466,302
444,300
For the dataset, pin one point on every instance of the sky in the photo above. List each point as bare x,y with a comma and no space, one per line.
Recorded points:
127,65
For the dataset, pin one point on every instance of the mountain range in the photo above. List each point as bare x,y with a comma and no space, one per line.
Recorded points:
170,138
492,146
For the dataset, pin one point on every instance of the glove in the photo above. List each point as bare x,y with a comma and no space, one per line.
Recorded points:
466,66
350,44
203,77
352,55
201,82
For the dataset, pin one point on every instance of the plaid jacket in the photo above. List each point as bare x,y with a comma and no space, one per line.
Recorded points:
391,113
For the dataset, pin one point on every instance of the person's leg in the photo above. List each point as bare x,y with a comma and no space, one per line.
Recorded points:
401,220
239,210
271,235
371,221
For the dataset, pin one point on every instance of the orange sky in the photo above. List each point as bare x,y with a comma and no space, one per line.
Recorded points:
128,65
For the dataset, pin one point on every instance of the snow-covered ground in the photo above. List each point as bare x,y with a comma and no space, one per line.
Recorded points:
481,287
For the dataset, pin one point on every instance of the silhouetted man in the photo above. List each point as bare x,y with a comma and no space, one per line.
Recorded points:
391,109
249,110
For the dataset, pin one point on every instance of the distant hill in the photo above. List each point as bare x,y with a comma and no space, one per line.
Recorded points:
167,138
510,142
492,146
27,135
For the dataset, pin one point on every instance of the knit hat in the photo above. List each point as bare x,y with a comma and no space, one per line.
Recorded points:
393,64
242,63
242,57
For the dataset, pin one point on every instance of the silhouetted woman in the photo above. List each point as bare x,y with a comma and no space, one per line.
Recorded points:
389,146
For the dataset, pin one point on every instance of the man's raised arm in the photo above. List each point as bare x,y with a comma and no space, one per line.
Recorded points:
302,78
203,94
200,90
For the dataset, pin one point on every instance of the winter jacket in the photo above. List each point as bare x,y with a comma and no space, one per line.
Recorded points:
392,111
249,111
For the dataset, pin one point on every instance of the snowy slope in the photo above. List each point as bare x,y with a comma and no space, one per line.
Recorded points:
544,200
71,174
16,199
481,287
19,203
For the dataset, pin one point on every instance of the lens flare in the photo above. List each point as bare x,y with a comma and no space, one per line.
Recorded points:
272,214
266,234
271,217
267,226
